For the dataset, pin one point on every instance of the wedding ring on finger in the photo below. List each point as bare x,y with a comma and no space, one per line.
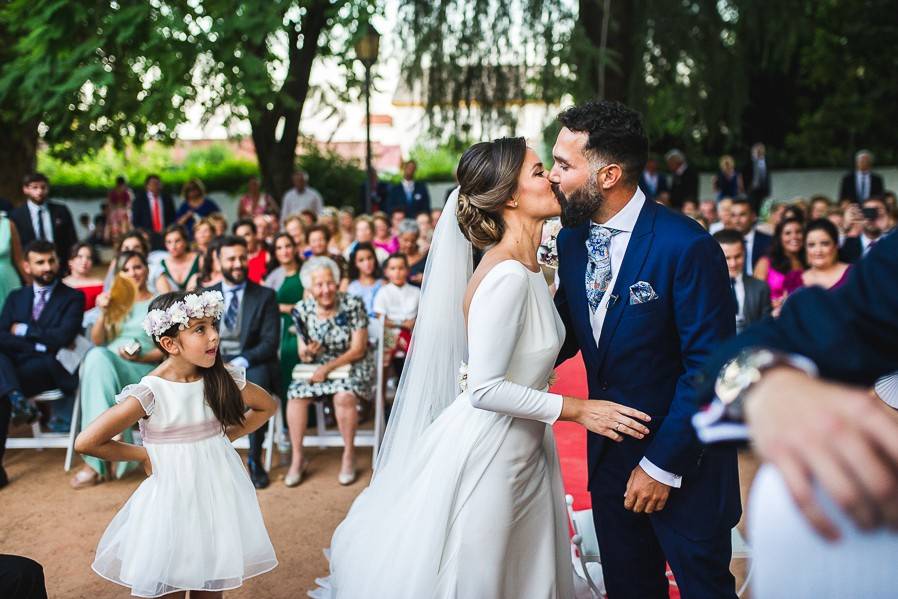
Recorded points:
617,427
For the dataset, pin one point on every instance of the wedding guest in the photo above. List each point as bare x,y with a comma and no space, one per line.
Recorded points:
81,265
397,301
210,270
346,223
425,230
708,211
837,217
11,275
135,240
309,218
436,213
794,211
180,265
752,296
743,219
296,228
722,221
684,179
267,227
364,233
118,210
203,234
257,255
408,246
365,275
409,195
874,224
651,182
819,207
287,285
756,177
35,323
153,210
123,354
255,201
301,198
249,335
783,268
196,205
821,240
374,193
39,218
383,236
319,241
862,183
220,223
336,326
328,220
396,218
690,208
727,183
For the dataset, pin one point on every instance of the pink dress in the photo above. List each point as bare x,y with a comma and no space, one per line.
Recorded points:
391,247
783,283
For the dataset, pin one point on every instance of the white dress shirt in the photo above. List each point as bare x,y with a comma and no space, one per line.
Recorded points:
295,202
739,287
866,242
625,221
36,214
862,185
227,290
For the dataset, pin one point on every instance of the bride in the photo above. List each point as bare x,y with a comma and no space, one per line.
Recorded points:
466,498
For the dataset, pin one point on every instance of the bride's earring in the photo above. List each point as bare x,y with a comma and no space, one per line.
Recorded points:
514,204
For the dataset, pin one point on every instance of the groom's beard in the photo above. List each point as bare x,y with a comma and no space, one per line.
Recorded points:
581,205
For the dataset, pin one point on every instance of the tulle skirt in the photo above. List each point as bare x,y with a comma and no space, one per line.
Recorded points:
478,512
195,524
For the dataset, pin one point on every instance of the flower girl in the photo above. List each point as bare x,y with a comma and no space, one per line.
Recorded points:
194,524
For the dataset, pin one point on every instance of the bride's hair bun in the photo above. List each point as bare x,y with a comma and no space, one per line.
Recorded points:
487,177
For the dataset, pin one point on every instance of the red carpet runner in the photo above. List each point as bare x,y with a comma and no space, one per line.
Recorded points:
571,441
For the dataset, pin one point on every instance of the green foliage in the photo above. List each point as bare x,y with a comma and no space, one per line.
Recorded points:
435,163
338,179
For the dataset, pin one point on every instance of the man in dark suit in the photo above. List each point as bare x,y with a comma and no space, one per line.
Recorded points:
855,248
42,219
756,176
651,182
409,195
373,194
862,182
752,296
250,334
643,296
36,322
683,180
153,210
827,435
744,219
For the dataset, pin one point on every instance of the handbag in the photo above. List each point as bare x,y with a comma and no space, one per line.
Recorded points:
303,372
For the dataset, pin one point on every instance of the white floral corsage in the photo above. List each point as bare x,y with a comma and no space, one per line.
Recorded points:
209,304
463,377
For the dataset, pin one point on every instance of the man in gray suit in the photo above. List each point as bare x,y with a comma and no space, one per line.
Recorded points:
752,295
250,333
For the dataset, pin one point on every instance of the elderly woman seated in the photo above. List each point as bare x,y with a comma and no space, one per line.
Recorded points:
124,354
333,345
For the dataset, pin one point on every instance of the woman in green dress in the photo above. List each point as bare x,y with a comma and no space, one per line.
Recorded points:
285,281
10,257
123,355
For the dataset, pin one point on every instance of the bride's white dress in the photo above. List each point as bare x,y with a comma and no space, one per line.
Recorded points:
478,510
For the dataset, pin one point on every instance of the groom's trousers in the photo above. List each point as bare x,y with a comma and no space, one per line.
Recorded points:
635,547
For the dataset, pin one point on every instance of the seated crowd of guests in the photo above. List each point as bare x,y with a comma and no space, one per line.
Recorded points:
300,289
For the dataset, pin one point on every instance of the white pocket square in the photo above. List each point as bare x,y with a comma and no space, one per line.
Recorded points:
642,293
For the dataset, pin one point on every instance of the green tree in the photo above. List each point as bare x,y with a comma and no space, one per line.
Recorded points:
96,71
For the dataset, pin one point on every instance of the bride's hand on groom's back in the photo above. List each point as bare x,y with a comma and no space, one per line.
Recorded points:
606,418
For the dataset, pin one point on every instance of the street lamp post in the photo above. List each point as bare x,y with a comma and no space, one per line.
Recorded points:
366,49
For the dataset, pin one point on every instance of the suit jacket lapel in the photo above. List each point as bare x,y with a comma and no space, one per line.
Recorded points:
52,301
247,308
748,304
637,251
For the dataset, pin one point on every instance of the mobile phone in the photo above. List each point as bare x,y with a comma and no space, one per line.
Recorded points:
870,213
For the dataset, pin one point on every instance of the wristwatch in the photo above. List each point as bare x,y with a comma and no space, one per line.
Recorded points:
739,375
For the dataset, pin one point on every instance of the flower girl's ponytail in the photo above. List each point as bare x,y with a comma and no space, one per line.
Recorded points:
220,390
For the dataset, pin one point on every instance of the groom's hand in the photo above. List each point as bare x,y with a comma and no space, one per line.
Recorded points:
644,494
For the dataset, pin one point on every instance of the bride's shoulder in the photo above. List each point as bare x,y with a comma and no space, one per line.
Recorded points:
496,277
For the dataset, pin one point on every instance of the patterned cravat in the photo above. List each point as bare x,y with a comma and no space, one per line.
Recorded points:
598,268
230,319
39,302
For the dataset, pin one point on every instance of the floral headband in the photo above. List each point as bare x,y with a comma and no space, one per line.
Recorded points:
209,304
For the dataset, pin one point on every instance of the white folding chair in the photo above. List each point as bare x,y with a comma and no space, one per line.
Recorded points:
363,438
243,442
585,549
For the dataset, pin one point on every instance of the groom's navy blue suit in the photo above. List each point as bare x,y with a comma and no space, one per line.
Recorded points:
647,357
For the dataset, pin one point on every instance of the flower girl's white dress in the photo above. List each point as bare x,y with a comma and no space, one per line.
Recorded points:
195,523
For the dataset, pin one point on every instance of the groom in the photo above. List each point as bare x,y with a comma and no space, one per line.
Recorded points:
645,296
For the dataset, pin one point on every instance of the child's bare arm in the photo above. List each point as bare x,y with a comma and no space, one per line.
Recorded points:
261,406
96,439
